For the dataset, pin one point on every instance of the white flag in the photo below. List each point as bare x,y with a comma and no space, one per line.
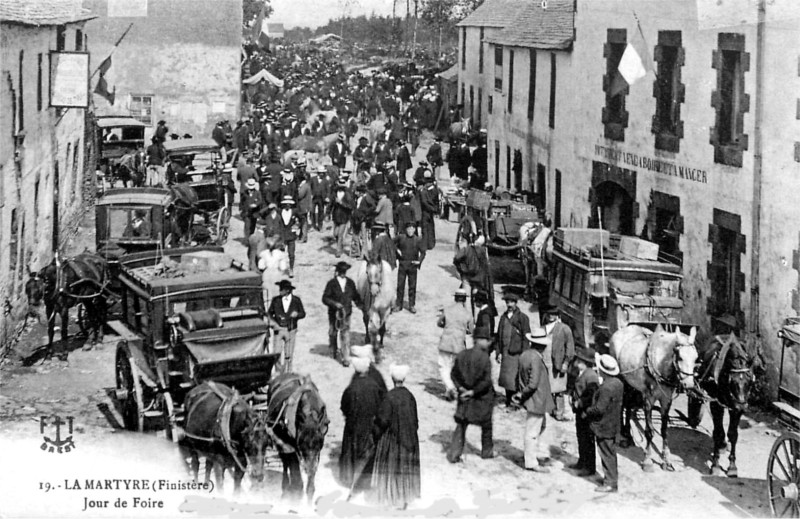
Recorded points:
631,66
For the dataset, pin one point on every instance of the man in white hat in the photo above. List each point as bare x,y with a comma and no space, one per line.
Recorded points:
250,205
533,382
606,415
456,320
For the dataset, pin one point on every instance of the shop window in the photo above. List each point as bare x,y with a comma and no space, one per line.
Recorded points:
510,80
726,280
668,91
730,100
480,54
531,83
141,108
615,117
498,67
552,115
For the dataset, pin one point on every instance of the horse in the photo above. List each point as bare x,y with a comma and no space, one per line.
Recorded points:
221,425
377,285
726,376
652,366
313,111
299,422
313,144
61,286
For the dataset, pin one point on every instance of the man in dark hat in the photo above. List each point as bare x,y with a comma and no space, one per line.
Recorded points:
585,386
403,160
321,195
533,382
511,342
338,152
383,248
155,157
284,311
561,354
429,202
339,295
404,213
484,319
362,155
605,415
290,229
411,254
434,154
161,132
384,212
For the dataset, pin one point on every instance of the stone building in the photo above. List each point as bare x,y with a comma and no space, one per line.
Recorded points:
37,145
700,155
180,61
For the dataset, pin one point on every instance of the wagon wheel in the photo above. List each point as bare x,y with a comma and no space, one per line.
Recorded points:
783,476
223,221
171,426
129,391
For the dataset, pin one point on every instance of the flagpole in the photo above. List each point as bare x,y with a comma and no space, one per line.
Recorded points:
113,49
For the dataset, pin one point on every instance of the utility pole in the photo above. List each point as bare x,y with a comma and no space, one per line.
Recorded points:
755,257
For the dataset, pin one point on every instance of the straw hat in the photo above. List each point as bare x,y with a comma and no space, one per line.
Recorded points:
608,365
538,336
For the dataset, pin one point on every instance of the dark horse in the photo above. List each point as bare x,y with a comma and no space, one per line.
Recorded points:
221,425
653,365
299,421
62,285
726,376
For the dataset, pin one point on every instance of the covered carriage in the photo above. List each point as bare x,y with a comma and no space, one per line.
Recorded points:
115,135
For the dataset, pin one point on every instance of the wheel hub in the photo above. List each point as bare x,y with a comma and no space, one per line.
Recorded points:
790,492
121,394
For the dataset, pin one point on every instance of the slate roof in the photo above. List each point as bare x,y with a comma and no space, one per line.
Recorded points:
43,12
551,28
494,13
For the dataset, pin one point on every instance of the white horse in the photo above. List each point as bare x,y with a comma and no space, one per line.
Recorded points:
377,285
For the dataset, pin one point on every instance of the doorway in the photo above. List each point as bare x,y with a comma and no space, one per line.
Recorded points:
616,208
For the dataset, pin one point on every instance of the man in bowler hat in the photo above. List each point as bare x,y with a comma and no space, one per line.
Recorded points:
586,384
339,296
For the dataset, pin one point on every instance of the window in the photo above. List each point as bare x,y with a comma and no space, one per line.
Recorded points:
541,183
577,287
121,225
517,168
559,269
552,90
489,104
510,79
724,270
479,111
78,39
566,286
730,100
472,102
480,53
21,95
615,117
39,80
76,180
463,99
508,167
142,107
498,67
531,83
496,163
61,37
463,48
668,91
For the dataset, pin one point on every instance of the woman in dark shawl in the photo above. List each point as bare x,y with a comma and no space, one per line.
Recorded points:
360,403
396,474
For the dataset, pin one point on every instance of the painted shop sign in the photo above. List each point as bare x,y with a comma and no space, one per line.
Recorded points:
651,164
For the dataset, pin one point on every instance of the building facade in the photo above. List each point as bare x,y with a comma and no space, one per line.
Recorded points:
180,62
41,148
700,155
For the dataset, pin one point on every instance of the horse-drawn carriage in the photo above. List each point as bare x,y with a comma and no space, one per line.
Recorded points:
783,467
117,135
198,164
602,283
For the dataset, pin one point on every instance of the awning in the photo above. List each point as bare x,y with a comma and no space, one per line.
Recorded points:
263,74
450,74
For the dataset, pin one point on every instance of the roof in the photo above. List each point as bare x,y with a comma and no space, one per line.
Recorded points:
551,28
198,145
135,195
450,74
43,12
494,13
118,121
326,37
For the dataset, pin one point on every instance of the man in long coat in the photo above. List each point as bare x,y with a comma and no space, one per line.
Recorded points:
403,160
429,201
606,417
339,296
586,384
360,404
510,343
472,376
457,323
533,382
561,354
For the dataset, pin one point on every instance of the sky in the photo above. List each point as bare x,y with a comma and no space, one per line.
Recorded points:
313,13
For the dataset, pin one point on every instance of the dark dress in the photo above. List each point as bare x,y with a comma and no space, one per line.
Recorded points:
396,476
360,403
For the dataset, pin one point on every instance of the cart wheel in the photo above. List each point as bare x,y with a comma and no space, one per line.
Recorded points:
129,391
223,219
783,476
172,429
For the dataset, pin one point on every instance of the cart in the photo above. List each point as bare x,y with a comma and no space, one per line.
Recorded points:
783,466
202,168
188,315
115,134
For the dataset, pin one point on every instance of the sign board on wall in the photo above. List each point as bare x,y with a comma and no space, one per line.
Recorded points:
127,8
69,79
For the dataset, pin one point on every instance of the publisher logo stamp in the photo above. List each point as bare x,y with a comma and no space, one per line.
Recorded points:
55,425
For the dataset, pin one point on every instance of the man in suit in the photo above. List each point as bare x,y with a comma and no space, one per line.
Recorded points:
338,152
288,186
457,323
605,415
250,205
403,160
561,354
290,229
583,391
320,194
429,201
284,312
363,156
383,248
510,342
411,254
472,377
533,382
484,320
341,211
434,155
304,206
339,295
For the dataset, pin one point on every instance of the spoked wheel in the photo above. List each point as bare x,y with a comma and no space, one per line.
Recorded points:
129,390
783,476
223,222
171,427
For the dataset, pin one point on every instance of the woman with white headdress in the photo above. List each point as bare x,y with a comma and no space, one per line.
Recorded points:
396,474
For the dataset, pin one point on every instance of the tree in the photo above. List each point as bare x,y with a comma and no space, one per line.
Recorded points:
438,14
346,6
464,8
251,8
